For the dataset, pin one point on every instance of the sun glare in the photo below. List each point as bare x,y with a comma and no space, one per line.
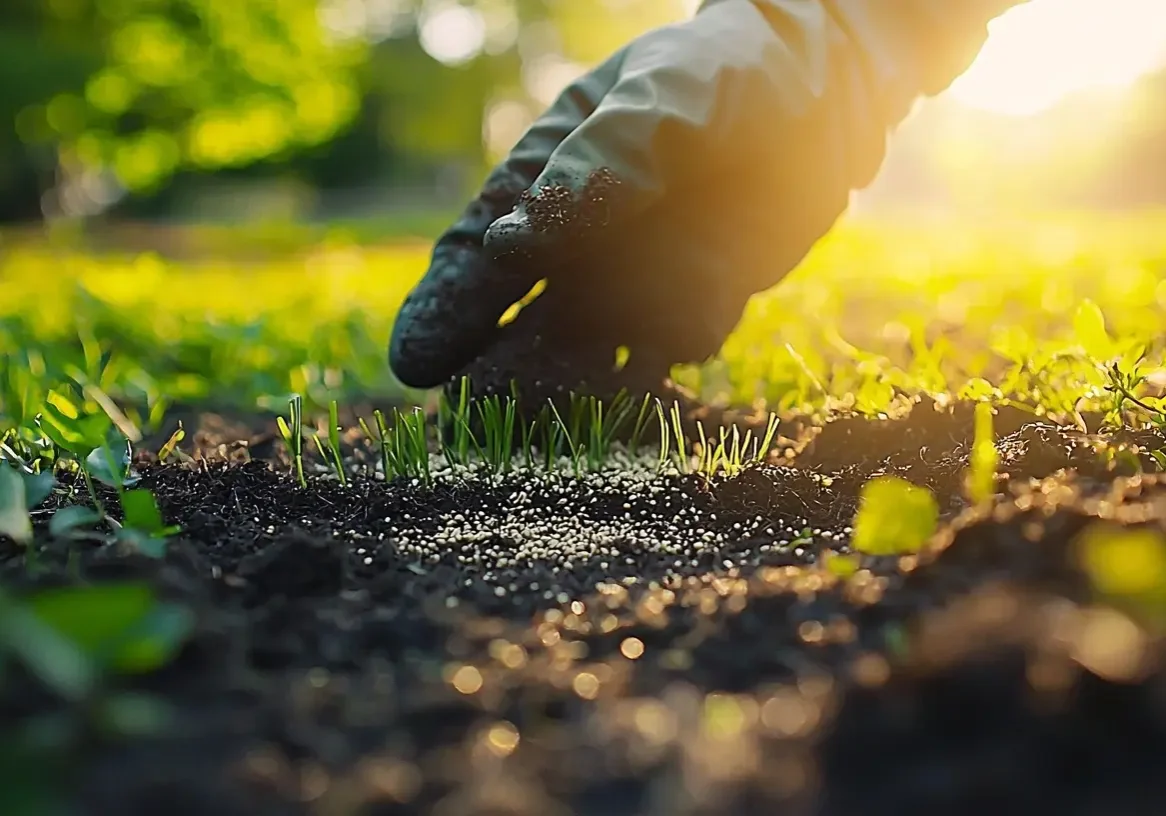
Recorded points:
1042,52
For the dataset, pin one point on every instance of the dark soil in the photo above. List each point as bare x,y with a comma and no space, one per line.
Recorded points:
541,646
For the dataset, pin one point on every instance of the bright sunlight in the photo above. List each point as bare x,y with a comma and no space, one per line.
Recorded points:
1042,52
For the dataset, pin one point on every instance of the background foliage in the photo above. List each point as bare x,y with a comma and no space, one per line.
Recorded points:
326,107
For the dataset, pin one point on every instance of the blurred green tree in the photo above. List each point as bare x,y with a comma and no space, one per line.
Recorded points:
194,83
127,94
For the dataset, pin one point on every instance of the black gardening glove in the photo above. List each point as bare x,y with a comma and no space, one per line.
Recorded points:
694,168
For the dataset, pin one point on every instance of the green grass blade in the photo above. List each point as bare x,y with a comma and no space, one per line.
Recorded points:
641,421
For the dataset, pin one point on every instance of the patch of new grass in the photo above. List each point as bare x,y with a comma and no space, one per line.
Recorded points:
487,436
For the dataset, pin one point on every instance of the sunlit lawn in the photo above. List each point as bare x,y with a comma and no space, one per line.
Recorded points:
879,309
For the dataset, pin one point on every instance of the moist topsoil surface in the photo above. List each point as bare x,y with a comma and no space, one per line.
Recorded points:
631,643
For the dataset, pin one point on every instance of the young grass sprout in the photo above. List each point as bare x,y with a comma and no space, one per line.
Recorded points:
330,451
491,435
981,478
293,435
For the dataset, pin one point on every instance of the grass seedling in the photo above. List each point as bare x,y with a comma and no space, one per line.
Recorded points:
498,417
761,452
682,460
578,426
552,433
383,442
527,430
573,445
370,436
733,451
453,420
665,442
595,442
293,435
605,427
334,440
640,424
706,462
981,478
405,447
730,451
332,452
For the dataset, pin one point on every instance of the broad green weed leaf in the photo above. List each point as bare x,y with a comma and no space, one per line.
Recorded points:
894,517
156,640
37,487
110,462
1128,563
44,651
1089,329
67,520
79,434
121,626
150,545
14,519
94,617
141,511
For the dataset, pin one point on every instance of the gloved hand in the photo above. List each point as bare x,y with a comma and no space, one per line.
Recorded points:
694,168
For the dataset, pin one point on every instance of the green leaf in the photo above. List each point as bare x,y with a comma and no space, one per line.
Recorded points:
79,434
1089,328
68,519
110,463
842,566
14,519
894,517
1133,356
1159,458
46,652
37,487
1121,562
148,544
156,641
141,511
120,626
94,617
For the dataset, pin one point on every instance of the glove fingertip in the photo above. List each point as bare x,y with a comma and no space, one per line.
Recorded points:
508,235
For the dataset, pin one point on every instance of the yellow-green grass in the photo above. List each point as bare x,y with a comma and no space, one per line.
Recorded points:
879,308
